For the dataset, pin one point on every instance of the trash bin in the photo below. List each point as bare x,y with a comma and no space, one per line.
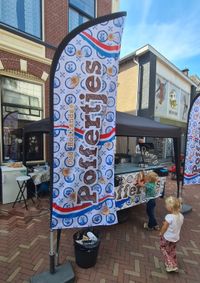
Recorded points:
86,253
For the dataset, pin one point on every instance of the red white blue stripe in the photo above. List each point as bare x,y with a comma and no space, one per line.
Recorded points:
104,49
107,137
71,212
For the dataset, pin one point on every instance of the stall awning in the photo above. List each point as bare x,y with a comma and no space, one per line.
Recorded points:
41,126
135,126
127,125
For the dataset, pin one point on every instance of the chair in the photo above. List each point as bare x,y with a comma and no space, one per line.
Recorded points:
22,183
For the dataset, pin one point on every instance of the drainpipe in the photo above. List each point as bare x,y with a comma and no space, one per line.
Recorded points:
135,61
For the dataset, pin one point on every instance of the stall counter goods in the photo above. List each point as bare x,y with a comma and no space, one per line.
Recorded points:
128,192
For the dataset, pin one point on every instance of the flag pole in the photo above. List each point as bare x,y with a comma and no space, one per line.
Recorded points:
51,254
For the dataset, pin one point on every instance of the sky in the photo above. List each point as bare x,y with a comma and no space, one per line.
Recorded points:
172,27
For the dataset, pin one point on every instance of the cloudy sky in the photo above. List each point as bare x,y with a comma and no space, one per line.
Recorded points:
171,26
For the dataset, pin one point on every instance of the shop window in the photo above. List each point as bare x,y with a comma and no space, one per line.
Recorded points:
23,15
21,103
80,11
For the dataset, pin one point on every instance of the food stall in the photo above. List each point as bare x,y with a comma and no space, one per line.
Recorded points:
128,193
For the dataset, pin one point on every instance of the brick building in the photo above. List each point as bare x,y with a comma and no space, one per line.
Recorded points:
29,35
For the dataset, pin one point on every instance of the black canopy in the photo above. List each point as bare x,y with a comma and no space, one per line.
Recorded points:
135,126
130,126
127,125
41,126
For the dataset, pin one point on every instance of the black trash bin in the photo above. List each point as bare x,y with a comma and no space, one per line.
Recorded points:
86,254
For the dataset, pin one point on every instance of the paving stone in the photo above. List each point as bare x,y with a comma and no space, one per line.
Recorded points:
127,254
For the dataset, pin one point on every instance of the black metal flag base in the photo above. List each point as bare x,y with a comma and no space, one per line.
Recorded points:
186,208
63,274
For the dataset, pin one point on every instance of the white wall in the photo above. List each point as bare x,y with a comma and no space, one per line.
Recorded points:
172,76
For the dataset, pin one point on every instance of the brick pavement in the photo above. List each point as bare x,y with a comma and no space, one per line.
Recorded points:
127,254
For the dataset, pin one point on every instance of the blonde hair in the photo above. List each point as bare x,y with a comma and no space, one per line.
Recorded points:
151,177
173,203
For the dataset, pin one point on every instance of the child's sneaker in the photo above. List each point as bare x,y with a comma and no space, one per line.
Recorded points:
157,228
147,227
171,269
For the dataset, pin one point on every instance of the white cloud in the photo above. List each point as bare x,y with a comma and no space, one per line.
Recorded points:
176,40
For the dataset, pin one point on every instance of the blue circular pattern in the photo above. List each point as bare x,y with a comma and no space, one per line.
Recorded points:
109,160
67,222
70,179
67,192
112,86
56,162
70,99
56,177
70,50
97,188
109,188
55,192
82,220
56,82
56,133
70,67
97,218
86,50
102,35
109,174
104,85
110,218
99,173
54,222
111,101
56,115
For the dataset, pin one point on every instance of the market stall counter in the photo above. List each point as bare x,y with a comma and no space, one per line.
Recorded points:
128,192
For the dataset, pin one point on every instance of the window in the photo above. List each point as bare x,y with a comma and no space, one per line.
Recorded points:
21,103
80,11
23,15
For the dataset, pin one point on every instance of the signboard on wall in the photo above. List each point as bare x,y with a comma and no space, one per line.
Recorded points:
171,102
161,96
192,156
84,73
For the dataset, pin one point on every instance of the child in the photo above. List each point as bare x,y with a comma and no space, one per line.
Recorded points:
170,233
150,185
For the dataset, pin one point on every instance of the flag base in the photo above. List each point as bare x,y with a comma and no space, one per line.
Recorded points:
186,208
63,274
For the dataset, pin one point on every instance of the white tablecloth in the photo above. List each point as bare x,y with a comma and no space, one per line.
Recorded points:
40,175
